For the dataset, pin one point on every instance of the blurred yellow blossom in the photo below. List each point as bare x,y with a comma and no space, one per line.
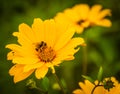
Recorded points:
82,16
44,45
87,87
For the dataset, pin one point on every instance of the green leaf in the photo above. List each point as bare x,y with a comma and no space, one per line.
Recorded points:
88,78
45,83
63,83
100,73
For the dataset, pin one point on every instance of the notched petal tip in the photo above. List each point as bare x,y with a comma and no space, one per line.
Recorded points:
15,34
22,24
7,46
37,20
84,6
81,41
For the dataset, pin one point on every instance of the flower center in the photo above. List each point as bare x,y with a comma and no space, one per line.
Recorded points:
80,22
109,84
45,53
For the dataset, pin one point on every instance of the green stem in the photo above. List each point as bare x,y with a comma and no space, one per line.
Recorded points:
60,84
40,90
84,60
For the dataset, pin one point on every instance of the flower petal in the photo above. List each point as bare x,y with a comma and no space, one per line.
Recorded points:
15,69
94,12
104,22
78,91
71,15
62,18
82,10
41,72
32,66
20,51
103,13
86,87
17,72
13,47
38,28
79,29
66,36
50,32
68,50
26,60
26,34
49,64
22,75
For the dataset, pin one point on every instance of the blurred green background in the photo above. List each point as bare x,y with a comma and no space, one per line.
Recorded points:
103,44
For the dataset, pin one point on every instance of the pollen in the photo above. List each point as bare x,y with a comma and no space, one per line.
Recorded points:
45,53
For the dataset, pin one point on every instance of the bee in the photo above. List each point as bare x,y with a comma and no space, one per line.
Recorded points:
41,46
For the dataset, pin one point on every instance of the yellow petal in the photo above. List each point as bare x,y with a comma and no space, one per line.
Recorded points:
56,61
99,90
51,65
53,69
66,36
15,53
86,87
82,10
70,57
26,60
10,55
104,22
32,66
83,87
94,12
22,75
15,69
38,28
103,13
85,24
115,90
79,29
115,81
71,15
50,32
78,91
41,72
61,28
89,86
20,51
26,34
13,47
17,72
68,50
62,18
16,34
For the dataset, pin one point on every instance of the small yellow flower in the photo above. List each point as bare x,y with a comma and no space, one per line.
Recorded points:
81,16
87,87
44,45
97,16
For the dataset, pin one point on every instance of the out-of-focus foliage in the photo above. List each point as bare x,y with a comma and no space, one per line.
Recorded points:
103,44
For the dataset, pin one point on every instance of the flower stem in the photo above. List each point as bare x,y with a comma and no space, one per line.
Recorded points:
40,90
60,84
84,60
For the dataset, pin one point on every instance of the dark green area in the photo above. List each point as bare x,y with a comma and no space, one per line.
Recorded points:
103,44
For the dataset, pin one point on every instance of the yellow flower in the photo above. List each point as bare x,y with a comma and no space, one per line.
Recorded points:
87,87
97,16
81,16
44,45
